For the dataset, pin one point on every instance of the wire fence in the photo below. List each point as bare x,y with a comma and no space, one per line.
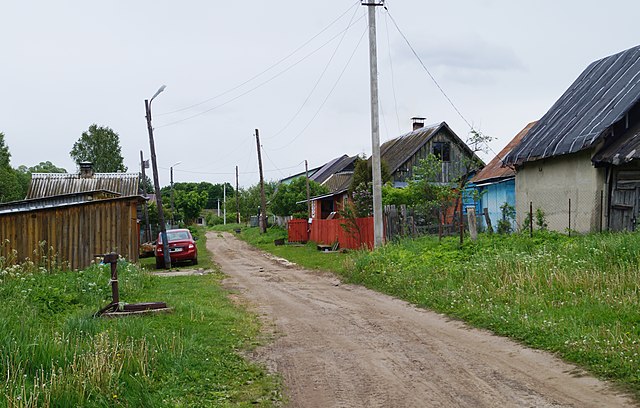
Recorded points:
573,213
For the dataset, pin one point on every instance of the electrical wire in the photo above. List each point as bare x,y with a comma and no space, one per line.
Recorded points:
260,84
393,81
328,95
427,70
263,71
272,162
315,86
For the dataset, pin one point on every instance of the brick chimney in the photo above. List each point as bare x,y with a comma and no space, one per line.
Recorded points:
417,122
86,169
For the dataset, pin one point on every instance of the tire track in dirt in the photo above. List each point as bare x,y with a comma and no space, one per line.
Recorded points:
339,345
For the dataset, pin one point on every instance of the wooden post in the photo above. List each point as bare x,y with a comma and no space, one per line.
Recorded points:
471,219
569,217
237,199
487,219
530,218
306,171
147,228
263,200
601,208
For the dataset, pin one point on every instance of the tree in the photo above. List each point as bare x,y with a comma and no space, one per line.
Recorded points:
190,204
100,146
287,195
5,156
250,198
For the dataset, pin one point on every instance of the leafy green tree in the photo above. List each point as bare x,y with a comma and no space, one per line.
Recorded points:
250,198
190,204
287,195
46,167
5,156
214,192
362,173
100,146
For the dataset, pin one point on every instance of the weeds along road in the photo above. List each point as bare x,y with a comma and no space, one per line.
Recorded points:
338,345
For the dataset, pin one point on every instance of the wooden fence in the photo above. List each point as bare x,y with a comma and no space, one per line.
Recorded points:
298,230
328,232
76,232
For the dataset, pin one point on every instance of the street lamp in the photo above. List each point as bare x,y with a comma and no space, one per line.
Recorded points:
172,207
156,182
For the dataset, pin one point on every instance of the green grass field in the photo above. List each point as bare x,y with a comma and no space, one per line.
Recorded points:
578,297
53,352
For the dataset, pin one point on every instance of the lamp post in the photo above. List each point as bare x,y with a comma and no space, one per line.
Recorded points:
172,206
156,182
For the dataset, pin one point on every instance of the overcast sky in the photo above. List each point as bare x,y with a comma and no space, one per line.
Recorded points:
68,64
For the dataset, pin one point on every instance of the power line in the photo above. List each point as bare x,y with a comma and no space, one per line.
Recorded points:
233,172
260,84
315,86
328,95
393,81
427,70
265,70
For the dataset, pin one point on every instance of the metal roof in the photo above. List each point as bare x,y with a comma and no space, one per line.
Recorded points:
339,182
336,165
601,96
53,184
59,201
622,150
496,170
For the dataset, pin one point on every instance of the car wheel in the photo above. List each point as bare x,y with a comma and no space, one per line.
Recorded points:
159,263
194,261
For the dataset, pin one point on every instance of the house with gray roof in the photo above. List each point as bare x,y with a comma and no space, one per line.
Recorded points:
580,163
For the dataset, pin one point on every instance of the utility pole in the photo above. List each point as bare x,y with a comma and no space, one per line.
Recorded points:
147,228
156,182
237,199
173,210
306,172
378,229
263,200
224,203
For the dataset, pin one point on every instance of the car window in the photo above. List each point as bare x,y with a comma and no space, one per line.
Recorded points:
177,235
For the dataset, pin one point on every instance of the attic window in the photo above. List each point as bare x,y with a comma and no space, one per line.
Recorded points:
442,150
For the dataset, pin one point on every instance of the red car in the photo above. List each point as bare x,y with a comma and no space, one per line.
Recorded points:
182,247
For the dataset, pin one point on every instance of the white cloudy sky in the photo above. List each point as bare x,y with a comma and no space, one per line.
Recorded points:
65,65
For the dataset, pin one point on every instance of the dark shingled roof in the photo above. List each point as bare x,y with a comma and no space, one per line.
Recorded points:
336,165
601,96
496,170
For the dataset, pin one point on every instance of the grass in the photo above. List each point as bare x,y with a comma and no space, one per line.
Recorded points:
53,352
578,297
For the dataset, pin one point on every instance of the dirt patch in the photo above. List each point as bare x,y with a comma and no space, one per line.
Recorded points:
182,272
343,345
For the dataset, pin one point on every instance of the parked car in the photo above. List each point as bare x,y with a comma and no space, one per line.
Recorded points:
182,247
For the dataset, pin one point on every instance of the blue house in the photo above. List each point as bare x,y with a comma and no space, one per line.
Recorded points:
496,184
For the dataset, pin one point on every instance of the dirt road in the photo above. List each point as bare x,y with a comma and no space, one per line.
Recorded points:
340,345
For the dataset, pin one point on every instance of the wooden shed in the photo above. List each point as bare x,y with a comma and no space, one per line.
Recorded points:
77,226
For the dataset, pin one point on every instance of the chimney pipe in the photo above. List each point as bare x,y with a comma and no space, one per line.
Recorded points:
86,169
418,122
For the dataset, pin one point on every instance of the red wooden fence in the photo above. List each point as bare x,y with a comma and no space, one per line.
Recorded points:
329,231
298,230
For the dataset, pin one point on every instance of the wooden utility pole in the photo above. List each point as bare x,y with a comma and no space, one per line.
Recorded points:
224,203
263,200
156,181
147,228
378,229
306,171
237,199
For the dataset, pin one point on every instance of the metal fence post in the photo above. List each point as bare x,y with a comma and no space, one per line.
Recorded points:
569,217
530,219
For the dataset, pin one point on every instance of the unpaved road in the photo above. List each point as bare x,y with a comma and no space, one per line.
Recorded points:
339,345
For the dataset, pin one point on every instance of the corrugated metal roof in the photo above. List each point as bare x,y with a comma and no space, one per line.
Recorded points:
57,201
339,182
53,184
623,150
601,96
495,170
336,165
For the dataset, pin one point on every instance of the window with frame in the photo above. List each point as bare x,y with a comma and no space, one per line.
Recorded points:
442,150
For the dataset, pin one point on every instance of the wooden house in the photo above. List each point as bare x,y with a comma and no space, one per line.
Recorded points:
580,163
404,153
77,215
496,183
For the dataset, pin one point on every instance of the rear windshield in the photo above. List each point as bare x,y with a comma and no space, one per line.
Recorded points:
177,235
